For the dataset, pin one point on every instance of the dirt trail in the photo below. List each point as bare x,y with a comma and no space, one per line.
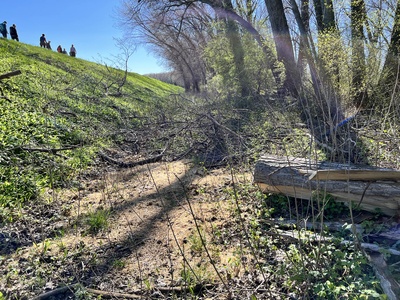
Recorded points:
151,240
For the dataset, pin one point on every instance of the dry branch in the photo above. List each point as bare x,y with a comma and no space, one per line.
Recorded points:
115,295
55,292
10,74
389,285
50,150
133,163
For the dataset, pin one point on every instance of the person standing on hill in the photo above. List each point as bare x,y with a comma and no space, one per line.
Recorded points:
59,49
64,51
13,32
3,29
43,41
72,51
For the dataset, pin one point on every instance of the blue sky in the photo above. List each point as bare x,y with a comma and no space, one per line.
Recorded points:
88,24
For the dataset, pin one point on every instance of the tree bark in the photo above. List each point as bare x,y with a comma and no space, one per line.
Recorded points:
388,82
358,18
235,42
283,44
299,178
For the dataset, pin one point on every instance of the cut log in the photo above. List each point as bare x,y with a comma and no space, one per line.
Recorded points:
363,175
377,191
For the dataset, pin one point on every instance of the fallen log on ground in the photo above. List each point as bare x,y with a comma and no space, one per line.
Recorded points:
371,189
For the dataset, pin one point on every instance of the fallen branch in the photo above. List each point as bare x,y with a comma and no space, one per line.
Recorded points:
55,292
389,285
134,163
240,138
51,150
10,74
111,295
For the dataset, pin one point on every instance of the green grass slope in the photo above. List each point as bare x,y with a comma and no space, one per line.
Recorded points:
58,113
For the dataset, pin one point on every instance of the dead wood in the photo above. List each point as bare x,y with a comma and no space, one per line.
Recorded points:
389,285
55,292
112,295
10,74
50,150
379,190
132,164
53,151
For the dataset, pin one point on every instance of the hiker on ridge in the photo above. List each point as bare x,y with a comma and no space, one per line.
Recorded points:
13,32
64,51
3,29
59,49
72,51
43,41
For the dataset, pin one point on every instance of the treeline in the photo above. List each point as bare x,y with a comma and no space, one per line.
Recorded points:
333,58
168,77
347,48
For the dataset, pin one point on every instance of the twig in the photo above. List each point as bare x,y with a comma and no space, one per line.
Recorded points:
363,194
111,295
51,150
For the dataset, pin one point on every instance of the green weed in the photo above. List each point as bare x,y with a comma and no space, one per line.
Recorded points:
97,221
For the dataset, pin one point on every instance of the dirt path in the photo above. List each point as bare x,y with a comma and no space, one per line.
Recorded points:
150,239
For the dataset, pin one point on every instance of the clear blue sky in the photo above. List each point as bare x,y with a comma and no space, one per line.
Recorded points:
88,24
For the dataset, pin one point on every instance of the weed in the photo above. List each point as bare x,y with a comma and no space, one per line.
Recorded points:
195,242
118,264
97,220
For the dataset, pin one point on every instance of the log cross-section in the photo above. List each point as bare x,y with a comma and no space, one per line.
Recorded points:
375,189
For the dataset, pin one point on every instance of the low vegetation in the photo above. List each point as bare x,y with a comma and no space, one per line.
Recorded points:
138,190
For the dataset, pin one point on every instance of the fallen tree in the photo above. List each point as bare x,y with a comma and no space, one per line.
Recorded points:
366,187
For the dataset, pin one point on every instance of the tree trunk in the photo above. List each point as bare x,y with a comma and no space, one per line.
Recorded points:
371,189
283,44
358,18
390,73
236,45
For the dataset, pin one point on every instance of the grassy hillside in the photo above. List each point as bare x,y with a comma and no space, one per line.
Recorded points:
58,113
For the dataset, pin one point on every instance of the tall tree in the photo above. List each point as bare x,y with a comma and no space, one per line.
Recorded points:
236,45
358,19
389,81
283,44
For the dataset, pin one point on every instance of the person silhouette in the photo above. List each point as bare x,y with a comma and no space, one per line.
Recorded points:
13,32
72,51
43,41
3,29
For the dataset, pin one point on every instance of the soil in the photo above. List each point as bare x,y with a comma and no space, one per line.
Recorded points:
155,214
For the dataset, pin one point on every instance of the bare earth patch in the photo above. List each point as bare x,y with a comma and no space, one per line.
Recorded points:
150,241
